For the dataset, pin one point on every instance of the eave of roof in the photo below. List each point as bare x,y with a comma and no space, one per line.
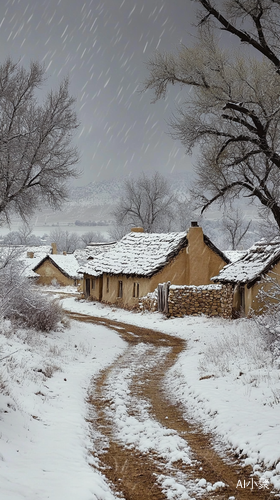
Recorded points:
137,254
155,270
96,268
249,281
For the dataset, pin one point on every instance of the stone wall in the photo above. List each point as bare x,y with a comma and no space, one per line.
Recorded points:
149,302
211,300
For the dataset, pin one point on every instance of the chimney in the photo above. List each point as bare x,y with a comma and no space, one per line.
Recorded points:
197,258
195,233
30,255
137,230
54,248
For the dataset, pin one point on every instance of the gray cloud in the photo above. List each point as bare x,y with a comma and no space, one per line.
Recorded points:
104,47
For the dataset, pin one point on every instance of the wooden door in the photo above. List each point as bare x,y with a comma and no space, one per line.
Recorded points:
87,287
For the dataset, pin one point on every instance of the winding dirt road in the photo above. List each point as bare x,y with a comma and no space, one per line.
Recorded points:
133,384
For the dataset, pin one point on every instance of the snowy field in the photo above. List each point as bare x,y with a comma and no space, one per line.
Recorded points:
225,380
44,437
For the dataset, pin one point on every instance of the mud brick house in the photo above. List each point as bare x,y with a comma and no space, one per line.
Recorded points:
28,256
246,275
43,265
140,261
61,269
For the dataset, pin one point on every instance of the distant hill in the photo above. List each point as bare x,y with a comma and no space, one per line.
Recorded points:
96,193
94,202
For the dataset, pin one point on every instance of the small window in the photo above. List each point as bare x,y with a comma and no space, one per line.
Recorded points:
135,289
120,289
108,285
93,283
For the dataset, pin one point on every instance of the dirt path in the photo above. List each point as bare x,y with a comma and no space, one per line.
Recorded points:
140,475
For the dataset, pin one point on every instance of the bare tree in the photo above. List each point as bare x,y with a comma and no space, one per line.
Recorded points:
147,202
25,232
92,236
184,213
235,228
267,227
232,108
23,236
36,156
65,241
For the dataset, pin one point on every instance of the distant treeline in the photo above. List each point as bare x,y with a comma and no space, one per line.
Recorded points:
93,223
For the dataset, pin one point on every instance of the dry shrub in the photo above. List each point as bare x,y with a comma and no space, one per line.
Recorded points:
37,312
21,302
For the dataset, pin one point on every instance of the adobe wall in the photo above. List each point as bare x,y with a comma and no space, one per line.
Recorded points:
95,292
202,262
252,301
110,295
174,270
48,272
211,300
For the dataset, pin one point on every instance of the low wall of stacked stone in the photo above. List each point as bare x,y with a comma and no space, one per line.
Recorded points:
149,302
211,300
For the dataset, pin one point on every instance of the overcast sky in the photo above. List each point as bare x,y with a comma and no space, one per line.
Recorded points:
104,47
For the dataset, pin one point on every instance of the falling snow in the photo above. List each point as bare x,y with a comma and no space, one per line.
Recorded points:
104,47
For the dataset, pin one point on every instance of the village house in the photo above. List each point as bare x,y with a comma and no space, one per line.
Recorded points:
140,261
261,261
28,256
58,269
44,266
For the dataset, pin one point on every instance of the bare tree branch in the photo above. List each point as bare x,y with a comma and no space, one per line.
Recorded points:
147,202
36,156
232,113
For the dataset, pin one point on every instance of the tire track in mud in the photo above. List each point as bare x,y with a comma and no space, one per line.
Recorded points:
133,474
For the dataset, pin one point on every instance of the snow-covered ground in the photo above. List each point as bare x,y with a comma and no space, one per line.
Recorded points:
225,379
44,437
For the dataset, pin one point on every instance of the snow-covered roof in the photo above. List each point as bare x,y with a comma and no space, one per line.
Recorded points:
91,250
100,245
257,261
20,253
38,250
234,255
67,264
141,254
29,263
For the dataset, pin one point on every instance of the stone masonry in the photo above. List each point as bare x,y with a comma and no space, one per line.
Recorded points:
149,302
211,300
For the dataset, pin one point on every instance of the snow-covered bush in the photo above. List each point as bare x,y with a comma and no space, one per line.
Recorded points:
269,325
20,301
269,321
237,352
35,311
